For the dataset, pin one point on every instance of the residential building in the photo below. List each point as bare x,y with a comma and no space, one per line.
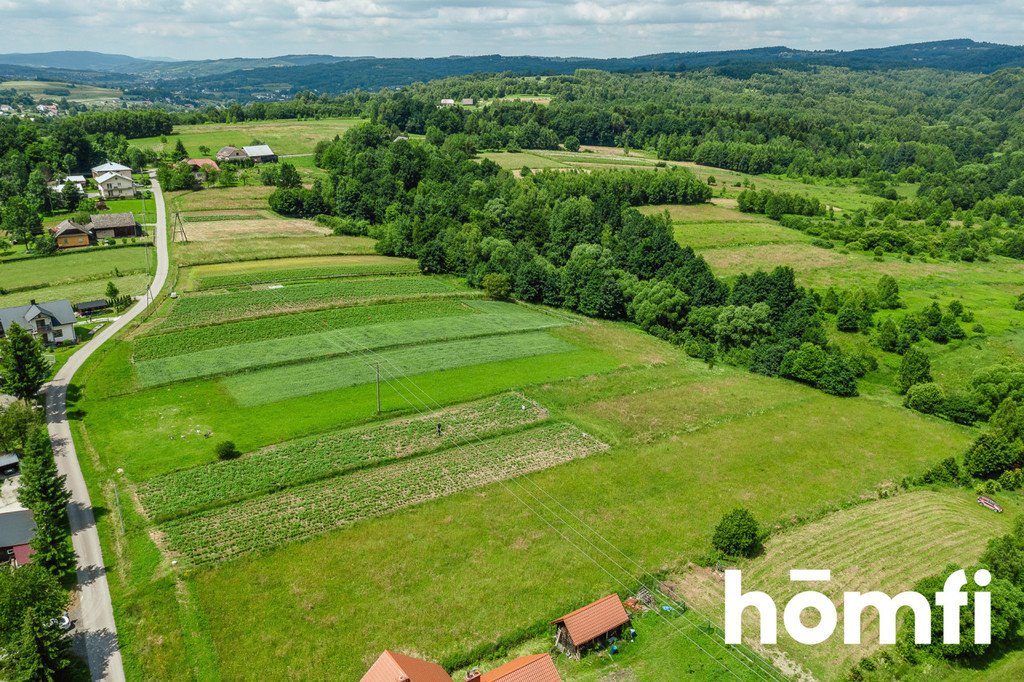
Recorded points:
447,102
111,167
51,321
231,154
77,180
71,235
468,102
115,186
17,527
392,666
202,167
590,624
114,225
260,153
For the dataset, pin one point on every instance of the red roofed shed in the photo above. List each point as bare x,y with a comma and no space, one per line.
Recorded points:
585,626
537,668
22,554
395,667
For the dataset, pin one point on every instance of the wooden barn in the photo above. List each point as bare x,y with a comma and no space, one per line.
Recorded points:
590,625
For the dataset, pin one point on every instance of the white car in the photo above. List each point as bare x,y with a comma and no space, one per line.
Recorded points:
62,623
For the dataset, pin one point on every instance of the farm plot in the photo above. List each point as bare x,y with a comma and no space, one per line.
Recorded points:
314,509
342,266
291,381
288,136
196,310
265,248
324,344
322,456
247,228
297,324
69,268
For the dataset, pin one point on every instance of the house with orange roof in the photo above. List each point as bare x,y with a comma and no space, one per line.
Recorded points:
536,668
590,625
392,666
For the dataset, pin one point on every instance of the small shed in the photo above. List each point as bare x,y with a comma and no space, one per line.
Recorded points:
91,307
590,625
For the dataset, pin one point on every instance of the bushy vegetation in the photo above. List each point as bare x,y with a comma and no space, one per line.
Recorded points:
737,534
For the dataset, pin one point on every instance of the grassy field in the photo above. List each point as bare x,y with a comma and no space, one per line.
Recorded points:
886,545
143,209
284,137
75,276
52,90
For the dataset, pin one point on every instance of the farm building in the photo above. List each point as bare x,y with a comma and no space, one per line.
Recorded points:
447,102
115,186
17,528
536,668
260,153
53,321
468,102
202,167
111,167
69,235
91,307
393,667
587,626
230,153
114,225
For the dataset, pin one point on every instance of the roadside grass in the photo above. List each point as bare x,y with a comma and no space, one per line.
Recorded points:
351,341
886,545
284,136
304,460
274,384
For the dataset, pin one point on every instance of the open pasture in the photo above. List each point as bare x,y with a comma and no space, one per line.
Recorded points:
885,545
291,381
304,460
284,136
198,309
220,199
72,267
322,342
304,512
254,248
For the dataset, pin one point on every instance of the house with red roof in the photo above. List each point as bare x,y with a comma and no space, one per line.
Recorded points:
590,625
392,666
536,668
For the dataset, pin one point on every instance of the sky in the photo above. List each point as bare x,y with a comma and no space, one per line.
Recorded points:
205,29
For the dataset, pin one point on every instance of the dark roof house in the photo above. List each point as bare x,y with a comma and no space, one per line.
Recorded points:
587,625
107,225
53,320
89,307
392,666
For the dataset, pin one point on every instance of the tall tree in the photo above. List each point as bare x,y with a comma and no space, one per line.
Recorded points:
23,367
41,652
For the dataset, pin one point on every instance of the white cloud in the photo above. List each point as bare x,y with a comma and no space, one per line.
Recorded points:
192,29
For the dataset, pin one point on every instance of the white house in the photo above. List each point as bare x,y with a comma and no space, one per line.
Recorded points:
52,321
111,167
115,186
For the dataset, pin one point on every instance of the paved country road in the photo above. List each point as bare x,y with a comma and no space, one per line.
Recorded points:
95,634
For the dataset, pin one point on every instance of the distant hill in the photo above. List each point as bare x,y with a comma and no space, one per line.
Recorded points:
244,78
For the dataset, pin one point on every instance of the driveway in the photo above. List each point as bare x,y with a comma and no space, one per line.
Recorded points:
95,633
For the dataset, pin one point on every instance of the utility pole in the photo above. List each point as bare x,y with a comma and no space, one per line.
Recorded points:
377,367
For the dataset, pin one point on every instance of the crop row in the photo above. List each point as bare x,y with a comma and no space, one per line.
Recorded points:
398,267
267,522
184,341
289,381
201,309
325,344
317,457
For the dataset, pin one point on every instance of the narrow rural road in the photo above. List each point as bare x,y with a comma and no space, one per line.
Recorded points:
95,633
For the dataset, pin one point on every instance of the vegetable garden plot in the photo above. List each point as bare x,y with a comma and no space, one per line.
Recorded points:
278,383
185,341
508,318
300,513
325,455
193,310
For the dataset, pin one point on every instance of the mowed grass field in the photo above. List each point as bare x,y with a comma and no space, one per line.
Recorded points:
886,545
77,276
337,518
283,136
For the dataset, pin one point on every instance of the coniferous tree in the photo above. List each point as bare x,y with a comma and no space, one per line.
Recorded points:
23,367
41,652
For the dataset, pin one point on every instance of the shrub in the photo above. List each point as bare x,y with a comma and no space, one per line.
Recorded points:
927,398
227,450
915,368
990,455
498,286
737,534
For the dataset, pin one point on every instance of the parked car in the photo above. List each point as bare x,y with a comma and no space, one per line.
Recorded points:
62,622
10,464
